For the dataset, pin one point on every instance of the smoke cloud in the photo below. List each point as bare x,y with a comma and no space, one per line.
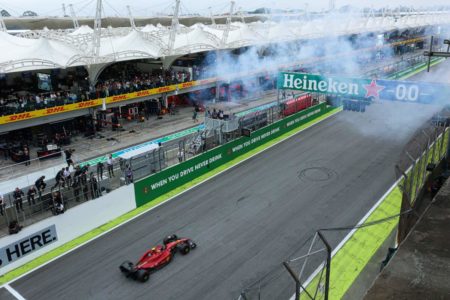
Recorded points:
349,58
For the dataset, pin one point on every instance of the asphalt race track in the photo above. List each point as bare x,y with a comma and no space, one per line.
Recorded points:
249,219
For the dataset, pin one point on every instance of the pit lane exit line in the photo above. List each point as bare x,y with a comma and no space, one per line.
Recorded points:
13,292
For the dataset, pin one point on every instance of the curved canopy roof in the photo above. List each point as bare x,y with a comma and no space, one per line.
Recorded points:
46,49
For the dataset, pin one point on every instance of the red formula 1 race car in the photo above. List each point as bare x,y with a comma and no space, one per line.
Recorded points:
157,257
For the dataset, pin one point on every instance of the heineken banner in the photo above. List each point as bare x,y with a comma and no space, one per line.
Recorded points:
365,88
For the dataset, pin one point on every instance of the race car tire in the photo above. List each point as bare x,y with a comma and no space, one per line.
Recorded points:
169,239
184,248
142,275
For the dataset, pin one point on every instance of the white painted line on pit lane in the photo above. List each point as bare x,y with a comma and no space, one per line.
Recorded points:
13,292
169,199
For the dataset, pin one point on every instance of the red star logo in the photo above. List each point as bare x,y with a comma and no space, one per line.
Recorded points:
373,89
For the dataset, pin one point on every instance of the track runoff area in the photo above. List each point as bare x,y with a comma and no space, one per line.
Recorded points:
247,219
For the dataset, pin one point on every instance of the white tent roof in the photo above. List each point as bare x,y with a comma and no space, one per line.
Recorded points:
243,35
83,29
134,44
18,53
194,39
59,49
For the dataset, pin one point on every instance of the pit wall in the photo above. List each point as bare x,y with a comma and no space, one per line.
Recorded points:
148,189
72,224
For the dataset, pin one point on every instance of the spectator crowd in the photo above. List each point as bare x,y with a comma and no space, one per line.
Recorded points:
72,89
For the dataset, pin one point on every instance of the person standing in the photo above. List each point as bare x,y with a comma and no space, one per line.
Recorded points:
58,204
94,186
110,165
180,155
30,195
99,170
59,179
128,175
40,185
68,153
2,204
26,154
194,115
18,200
67,177
84,174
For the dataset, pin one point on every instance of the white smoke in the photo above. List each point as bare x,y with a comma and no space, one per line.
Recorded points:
349,58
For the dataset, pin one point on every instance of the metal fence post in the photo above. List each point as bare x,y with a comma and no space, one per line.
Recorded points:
411,177
441,145
327,274
294,276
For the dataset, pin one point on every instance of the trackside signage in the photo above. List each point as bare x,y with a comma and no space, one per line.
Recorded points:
160,183
97,102
320,84
360,88
27,245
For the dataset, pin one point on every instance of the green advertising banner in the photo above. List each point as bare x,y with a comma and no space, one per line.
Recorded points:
151,187
350,87
359,88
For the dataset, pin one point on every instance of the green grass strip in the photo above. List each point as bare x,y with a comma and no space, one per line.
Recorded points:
351,259
116,222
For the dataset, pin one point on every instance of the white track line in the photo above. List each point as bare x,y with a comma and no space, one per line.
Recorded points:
13,292
171,198
350,234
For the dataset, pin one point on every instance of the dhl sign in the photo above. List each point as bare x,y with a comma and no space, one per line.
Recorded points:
49,111
143,93
165,89
86,104
18,117
187,85
97,102
118,98
54,110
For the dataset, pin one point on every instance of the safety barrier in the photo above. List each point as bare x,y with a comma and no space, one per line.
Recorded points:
160,183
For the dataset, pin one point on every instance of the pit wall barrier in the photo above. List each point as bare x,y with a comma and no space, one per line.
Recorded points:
148,189
17,250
